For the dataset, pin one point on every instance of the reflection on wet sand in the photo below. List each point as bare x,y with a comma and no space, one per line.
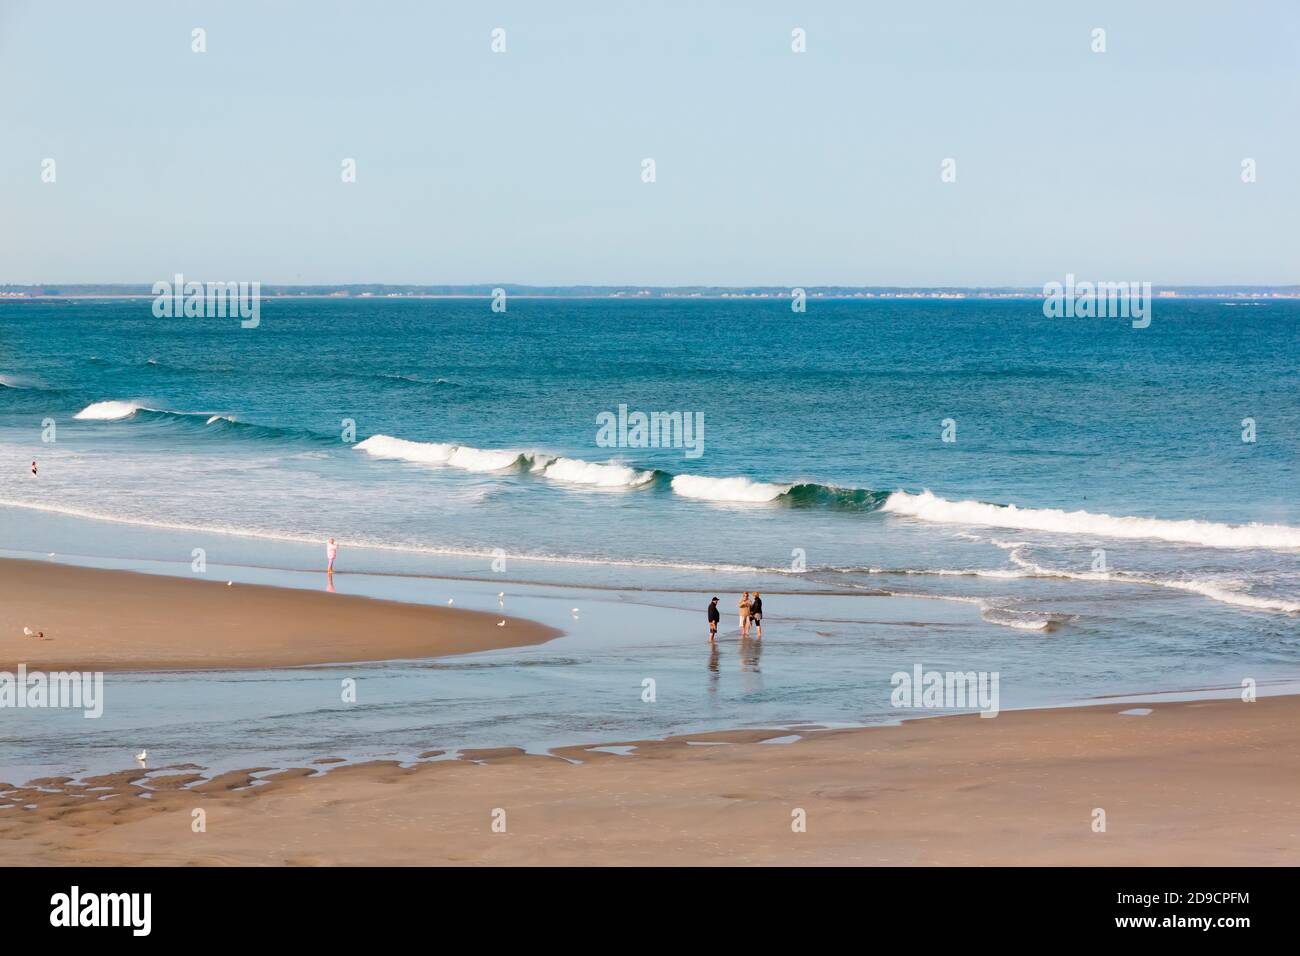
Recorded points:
751,679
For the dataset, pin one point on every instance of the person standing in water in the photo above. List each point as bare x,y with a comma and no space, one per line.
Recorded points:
714,617
756,615
331,552
744,615
33,469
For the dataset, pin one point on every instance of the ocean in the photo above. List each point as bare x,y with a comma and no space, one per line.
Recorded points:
960,483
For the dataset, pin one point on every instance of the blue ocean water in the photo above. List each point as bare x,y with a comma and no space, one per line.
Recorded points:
1098,523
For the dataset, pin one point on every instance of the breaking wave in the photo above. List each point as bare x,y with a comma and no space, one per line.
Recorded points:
923,506
727,489
1211,534
111,411
438,453
206,422
576,471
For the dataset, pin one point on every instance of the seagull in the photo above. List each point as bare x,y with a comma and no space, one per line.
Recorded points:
501,623
230,583
501,595
450,601
142,756
28,632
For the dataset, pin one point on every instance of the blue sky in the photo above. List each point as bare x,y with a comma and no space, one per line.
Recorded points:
772,167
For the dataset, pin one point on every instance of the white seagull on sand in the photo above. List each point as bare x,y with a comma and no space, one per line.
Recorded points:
450,601
28,632
501,623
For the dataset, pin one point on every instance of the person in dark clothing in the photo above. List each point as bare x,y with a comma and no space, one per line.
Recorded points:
714,617
756,614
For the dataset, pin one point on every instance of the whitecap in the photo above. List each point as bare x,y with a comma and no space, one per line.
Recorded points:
727,489
1211,534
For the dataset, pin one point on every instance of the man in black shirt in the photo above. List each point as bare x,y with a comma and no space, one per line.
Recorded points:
714,617
756,614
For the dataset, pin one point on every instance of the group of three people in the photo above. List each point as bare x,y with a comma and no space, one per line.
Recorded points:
751,613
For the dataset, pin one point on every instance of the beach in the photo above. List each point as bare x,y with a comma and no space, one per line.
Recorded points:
1180,783
571,441
1191,784
105,620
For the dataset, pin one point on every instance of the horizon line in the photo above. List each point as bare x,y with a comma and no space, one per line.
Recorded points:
487,288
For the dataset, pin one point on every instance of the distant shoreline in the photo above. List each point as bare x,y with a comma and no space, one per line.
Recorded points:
39,294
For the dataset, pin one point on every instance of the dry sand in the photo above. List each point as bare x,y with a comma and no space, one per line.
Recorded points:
103,620
1193,783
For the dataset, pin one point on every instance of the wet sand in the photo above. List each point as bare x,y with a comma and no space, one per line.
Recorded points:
1192,783
102,620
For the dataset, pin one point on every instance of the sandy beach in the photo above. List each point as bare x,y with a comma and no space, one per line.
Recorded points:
104,620
1189,783
1192,783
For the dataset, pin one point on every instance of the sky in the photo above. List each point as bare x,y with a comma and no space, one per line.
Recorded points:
771,167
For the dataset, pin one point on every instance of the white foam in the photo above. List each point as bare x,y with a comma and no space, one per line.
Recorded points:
1211,534
946,572
379,545
1226,595
1206,587
601,475
385,446
727,489
478,459
438,453
574,471
109,411
1213,589
991,613
1020,620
